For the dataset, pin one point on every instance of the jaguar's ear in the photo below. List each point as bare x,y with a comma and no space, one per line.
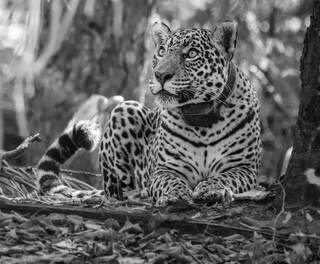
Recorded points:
226,36
159,31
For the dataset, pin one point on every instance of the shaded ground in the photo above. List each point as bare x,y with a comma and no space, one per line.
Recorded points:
243,232
44,229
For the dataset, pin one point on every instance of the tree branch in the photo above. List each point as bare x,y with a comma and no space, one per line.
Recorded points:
11,154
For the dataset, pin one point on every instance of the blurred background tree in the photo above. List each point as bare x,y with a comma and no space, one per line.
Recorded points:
54,54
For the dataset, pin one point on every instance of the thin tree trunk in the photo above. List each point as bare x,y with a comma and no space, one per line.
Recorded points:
302,181
1,125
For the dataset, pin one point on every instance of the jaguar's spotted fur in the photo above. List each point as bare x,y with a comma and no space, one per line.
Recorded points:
201,143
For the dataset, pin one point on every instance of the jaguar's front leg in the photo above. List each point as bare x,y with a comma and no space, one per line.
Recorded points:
222,187
168,187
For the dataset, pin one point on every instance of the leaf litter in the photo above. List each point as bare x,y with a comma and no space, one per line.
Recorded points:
61,238
250,231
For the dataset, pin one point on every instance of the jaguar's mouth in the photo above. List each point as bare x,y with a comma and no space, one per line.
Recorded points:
164,93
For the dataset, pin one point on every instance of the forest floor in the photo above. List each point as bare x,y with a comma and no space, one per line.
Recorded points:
49,230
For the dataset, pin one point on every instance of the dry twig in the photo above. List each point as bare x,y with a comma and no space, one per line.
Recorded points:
11,154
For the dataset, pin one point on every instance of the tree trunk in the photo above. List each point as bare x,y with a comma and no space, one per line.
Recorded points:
103,53
302,181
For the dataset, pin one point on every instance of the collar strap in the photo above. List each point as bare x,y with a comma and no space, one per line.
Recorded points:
229,87
207,113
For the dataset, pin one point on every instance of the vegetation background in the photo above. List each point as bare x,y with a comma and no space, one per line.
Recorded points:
55,54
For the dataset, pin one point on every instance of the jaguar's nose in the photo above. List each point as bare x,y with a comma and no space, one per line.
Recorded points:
162,77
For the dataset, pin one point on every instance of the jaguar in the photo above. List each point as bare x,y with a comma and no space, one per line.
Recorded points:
200,144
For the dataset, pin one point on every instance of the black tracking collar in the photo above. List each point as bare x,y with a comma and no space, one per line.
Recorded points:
207,113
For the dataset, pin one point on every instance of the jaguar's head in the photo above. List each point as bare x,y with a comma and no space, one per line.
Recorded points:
191,66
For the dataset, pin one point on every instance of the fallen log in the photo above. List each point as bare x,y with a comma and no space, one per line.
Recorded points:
147,219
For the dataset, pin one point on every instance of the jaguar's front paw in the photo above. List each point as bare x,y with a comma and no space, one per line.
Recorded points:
172,198
165,200
209,193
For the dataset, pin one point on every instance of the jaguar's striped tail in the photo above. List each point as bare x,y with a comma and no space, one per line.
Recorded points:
84,134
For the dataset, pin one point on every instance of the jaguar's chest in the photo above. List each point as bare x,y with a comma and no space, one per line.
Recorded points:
194,151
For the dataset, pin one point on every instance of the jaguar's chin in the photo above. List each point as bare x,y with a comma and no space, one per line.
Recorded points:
166,101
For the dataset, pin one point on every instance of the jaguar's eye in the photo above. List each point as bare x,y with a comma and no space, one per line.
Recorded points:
192,53
161,51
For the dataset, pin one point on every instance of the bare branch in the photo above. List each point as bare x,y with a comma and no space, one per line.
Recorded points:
20,149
